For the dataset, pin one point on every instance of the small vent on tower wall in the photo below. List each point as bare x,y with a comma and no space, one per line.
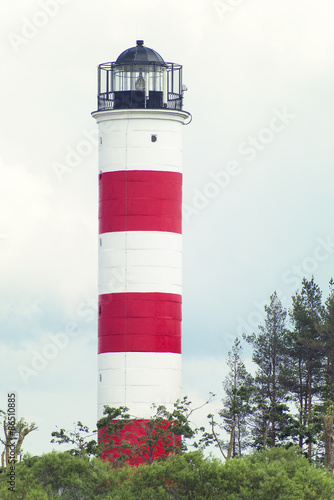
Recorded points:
100,140
154,138
100,377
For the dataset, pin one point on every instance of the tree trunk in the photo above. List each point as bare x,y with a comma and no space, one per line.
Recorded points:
309,390
265,437
239,437
300,402
273,415
232,440
274,395
19,443
329,434
216,437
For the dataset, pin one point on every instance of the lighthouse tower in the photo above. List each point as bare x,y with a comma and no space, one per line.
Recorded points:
140,121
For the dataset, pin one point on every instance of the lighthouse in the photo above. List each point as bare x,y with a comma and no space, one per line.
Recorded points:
140,120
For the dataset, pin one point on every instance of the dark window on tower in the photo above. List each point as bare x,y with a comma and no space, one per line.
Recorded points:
153,138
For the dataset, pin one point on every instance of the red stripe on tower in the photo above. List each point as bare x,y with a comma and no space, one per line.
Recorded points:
140,322
140,120
140,201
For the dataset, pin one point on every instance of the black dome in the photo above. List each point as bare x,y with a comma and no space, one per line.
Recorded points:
140,55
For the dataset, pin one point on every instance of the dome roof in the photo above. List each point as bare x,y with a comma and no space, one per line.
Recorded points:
140,55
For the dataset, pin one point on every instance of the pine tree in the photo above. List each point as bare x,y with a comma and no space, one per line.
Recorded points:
270,414
327,337
238,386
305,349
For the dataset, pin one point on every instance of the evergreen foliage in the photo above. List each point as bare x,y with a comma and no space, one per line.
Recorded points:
290,401
270,409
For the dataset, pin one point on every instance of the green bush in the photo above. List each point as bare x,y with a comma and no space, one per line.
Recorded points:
53,473
269,475
276,474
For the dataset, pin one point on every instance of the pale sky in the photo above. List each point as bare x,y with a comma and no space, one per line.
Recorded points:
258,181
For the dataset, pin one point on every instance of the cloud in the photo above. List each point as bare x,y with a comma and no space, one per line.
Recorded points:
46,244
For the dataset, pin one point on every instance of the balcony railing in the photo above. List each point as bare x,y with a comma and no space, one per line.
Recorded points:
111,97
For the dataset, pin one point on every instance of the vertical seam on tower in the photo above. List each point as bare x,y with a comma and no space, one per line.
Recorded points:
126,254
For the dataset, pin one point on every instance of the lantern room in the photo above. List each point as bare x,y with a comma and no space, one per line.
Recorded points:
140,78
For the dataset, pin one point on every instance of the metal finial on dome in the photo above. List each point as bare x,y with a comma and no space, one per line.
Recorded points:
140,54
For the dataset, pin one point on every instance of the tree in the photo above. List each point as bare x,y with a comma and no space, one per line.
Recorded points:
275,474
327,337
59,475
305,351
78,438
238,386
269,354
14,434
127,439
